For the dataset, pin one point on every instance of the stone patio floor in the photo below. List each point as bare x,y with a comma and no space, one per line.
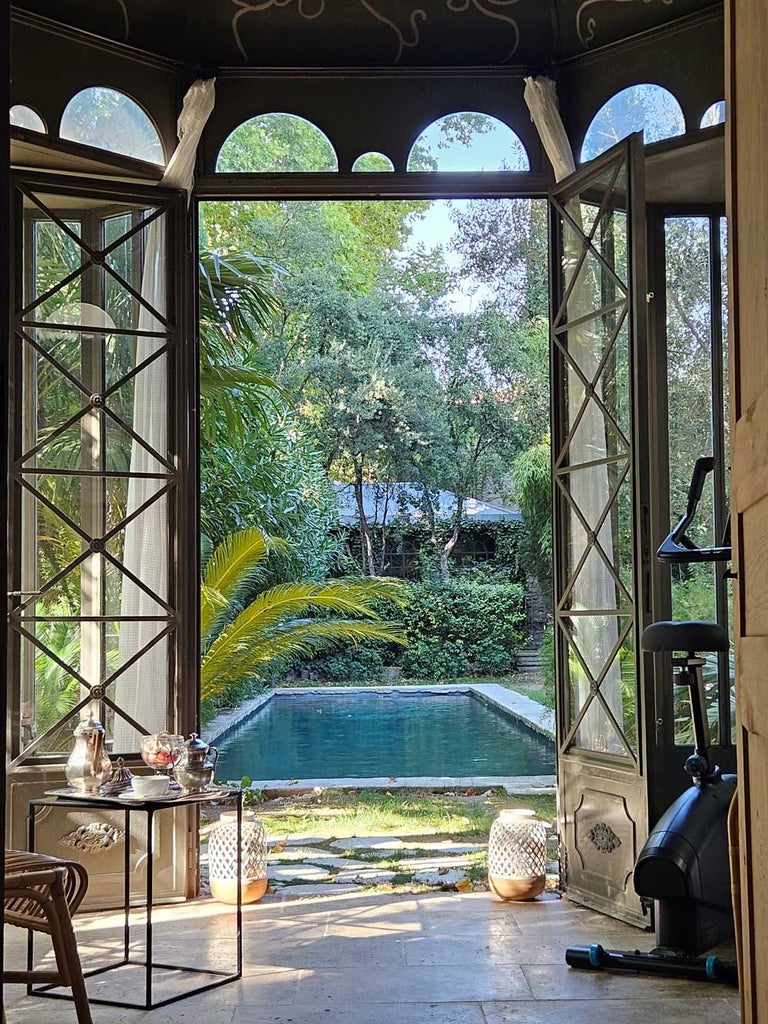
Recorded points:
358,957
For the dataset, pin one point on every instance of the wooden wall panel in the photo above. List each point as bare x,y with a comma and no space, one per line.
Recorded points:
747,191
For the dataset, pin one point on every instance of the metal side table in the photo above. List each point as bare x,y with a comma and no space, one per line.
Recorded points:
150,807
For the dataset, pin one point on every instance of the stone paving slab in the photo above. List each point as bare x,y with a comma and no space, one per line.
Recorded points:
367,875
447,847
368,843
428,863
296,872
326,860
291,853
528,785
326,889
308,839
440,876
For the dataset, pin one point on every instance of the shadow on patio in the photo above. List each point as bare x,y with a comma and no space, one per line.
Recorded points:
357,958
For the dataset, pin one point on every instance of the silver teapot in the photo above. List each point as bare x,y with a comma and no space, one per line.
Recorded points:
88,766
197,765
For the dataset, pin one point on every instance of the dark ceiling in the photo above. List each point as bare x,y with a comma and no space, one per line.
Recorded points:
366,33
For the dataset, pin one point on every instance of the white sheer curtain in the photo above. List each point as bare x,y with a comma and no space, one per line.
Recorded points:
590,488
143,689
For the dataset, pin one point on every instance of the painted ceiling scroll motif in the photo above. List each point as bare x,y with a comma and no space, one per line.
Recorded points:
406,28
586,23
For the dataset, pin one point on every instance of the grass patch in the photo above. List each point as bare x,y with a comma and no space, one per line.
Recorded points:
530,686
337,814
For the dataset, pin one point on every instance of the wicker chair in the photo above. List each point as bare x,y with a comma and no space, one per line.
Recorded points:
41,894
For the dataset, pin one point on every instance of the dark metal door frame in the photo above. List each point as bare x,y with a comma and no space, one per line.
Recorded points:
666,778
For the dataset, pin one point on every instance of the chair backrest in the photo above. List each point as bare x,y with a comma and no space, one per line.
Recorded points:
37,872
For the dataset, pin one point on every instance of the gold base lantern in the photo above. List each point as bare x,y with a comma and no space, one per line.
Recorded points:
517,855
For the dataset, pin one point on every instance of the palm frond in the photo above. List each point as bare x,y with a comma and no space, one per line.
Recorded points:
206,550
240,290
233,396
237,564
217,379
297,641
213,606
291,600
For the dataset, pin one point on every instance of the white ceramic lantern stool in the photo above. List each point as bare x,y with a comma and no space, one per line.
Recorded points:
517,855
222,858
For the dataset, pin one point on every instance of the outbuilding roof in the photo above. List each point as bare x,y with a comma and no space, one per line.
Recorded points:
384,503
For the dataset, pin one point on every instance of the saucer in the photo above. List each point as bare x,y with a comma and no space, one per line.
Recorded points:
132,797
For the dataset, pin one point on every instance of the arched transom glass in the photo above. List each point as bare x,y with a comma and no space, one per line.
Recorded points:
643,108
276,143
26,117
468,141
108,119
373,162
714,115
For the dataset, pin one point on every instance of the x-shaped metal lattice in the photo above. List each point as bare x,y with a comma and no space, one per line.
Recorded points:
92,545
562,330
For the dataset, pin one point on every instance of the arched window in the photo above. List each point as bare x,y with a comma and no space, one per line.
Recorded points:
26,117
468,141
277,143
714,115
647,108
373,162
108,119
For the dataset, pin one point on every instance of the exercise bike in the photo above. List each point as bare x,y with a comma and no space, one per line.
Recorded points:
683,868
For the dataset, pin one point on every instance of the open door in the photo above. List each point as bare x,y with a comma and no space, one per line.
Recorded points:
103,567
600,450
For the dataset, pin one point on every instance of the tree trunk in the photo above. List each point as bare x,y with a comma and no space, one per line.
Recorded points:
445,551
366,541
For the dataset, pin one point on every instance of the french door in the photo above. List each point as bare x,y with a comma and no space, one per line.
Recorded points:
600,450
102,573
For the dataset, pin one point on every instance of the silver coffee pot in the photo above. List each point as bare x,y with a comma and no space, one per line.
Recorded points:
88,766
197,765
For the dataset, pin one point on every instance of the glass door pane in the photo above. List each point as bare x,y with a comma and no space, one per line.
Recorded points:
697,379
593,467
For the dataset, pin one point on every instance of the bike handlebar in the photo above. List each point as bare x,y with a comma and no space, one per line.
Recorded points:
677,545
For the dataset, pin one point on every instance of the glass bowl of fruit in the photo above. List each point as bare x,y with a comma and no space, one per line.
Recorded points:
162,751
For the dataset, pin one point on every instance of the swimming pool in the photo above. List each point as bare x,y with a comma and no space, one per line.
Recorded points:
382,733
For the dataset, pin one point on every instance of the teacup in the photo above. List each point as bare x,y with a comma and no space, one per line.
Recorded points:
150,785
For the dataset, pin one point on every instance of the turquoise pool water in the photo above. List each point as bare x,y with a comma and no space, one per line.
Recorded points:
360,735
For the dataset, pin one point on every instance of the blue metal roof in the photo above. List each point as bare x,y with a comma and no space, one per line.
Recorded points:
384,503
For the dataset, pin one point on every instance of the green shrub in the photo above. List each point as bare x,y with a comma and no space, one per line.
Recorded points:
361,664
461,627
547,655
435,659
693,593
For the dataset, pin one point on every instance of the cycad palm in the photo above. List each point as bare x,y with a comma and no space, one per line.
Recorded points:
248,630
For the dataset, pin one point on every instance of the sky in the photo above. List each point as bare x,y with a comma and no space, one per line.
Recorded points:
497,149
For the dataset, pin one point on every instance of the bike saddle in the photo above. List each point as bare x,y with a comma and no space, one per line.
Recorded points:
684,636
